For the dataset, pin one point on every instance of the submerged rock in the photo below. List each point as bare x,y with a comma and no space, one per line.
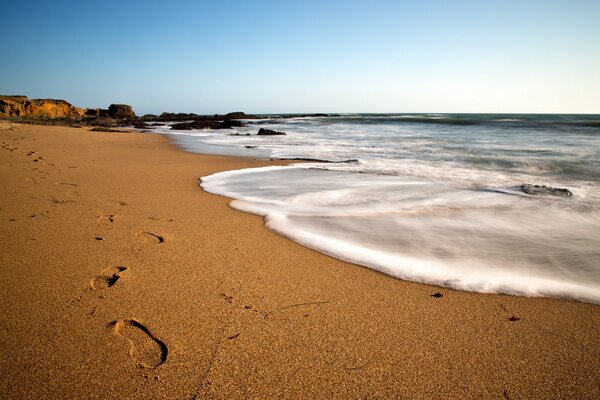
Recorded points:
269,132
539,190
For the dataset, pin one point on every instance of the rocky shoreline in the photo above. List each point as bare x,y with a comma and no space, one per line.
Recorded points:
60,112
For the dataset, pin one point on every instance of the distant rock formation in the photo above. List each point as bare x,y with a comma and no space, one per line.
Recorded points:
21,106
538,190
237,115
269,132
207,123
115,111
168,116
120,111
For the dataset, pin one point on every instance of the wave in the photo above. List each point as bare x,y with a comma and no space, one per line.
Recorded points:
492,240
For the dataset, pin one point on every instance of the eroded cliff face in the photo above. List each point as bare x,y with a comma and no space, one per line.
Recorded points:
21,106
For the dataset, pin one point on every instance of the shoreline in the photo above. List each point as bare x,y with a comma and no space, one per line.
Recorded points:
240,310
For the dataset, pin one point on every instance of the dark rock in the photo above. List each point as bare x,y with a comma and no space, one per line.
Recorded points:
269,132
237,115
120,111
320,160
197,124
105,129
537,190
138,124
100,121
92,112
231,123
166,116
207,124
288,116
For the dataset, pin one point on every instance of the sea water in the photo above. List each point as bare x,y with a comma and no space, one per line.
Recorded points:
432,198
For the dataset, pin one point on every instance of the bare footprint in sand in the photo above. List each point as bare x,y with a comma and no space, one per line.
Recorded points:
152,237
106,218
144,348
107,278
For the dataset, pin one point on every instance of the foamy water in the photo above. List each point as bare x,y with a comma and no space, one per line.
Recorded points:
432,198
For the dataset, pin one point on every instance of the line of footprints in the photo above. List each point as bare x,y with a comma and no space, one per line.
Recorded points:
144,348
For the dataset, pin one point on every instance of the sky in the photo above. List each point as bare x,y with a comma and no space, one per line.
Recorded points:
306,56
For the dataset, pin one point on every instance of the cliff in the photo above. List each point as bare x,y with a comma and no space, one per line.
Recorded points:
21,106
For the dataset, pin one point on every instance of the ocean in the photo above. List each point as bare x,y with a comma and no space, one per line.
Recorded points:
432,198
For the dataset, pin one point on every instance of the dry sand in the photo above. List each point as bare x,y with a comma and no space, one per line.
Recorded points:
184,297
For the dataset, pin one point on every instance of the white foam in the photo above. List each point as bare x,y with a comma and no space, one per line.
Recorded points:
410,228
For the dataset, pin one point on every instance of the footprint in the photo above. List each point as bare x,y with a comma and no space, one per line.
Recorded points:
109,218
153,237
107,278
144,348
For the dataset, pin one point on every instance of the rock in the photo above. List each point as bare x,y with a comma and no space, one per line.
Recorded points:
21,106
105,129
92,112
197,124
236,115
100,121
537,190
166,116
231,123
138,124
121,111
207,124
269,132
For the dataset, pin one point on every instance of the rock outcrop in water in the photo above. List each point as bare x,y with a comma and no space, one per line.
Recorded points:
167,116
21,106
540,190
207,124
269,132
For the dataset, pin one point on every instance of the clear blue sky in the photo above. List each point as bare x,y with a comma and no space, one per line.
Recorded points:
306,56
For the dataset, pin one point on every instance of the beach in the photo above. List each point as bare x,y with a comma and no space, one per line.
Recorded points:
121,278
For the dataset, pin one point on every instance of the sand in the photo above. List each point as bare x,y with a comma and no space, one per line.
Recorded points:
121,278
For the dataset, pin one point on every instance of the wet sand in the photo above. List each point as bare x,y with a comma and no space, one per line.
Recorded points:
121,278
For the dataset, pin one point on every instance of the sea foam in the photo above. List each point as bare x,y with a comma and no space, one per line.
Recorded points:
494,241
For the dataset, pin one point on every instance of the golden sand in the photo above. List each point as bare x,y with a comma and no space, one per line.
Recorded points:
121,278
